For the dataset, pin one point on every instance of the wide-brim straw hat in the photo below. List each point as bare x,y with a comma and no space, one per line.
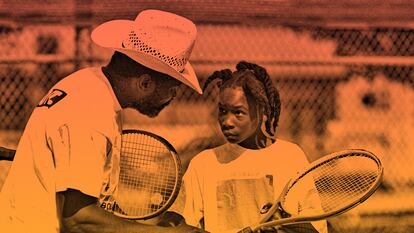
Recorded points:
159,40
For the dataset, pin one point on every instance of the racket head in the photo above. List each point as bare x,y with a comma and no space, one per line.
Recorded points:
342,180
150,175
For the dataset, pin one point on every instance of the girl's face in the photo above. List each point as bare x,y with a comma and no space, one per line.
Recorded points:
238,119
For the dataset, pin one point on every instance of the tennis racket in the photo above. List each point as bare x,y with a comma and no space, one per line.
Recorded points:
341,181
150,175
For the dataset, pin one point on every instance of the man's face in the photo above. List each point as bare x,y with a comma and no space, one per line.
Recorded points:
160,97
237,119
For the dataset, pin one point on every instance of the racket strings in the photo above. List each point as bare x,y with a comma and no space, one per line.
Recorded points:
147,178
338,183
143,160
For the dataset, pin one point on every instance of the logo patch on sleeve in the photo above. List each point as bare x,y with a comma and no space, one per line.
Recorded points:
52,98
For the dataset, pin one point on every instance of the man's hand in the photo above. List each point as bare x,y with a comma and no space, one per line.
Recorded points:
176,223
81,214
184,228
170,219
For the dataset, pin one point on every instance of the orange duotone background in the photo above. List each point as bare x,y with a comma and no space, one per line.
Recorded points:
344,72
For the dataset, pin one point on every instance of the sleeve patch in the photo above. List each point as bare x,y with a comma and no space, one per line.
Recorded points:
52,98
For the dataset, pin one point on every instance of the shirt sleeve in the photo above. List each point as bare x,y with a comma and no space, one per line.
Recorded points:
79,155
193,208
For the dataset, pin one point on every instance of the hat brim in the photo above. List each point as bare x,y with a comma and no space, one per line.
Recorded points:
111,35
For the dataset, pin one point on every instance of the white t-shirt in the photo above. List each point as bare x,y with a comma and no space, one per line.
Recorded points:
72,140
230,195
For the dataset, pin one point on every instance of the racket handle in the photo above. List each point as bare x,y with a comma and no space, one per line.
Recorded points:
7,154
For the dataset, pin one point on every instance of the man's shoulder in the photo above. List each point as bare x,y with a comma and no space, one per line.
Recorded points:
85,86
83,95
82,76
92,70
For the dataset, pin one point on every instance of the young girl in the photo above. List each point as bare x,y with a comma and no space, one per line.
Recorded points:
226,187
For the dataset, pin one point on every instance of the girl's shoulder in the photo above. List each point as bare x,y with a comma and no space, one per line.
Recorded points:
204,156
286,147
290,153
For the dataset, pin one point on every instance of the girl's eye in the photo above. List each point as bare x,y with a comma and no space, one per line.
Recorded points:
222,110
238,113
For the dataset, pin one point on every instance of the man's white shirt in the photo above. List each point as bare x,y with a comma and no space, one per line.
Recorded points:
72,140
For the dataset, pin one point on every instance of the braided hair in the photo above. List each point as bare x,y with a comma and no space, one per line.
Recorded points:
256,83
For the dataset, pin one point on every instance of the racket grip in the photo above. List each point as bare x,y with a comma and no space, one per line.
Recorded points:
246,230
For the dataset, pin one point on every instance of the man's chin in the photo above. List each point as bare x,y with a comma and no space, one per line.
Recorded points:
150,111
150,114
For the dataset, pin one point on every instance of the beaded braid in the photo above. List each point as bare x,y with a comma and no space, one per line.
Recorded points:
221,74
272,106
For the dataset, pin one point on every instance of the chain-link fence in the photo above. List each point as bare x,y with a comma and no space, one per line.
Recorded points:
340,88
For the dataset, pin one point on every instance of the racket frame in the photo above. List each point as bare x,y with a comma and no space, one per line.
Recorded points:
308,218
179,175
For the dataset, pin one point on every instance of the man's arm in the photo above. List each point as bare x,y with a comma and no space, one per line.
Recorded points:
80,213
298,228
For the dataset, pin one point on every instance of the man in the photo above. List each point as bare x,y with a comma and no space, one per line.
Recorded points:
67,157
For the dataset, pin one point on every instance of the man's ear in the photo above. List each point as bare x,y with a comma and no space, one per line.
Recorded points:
145,83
